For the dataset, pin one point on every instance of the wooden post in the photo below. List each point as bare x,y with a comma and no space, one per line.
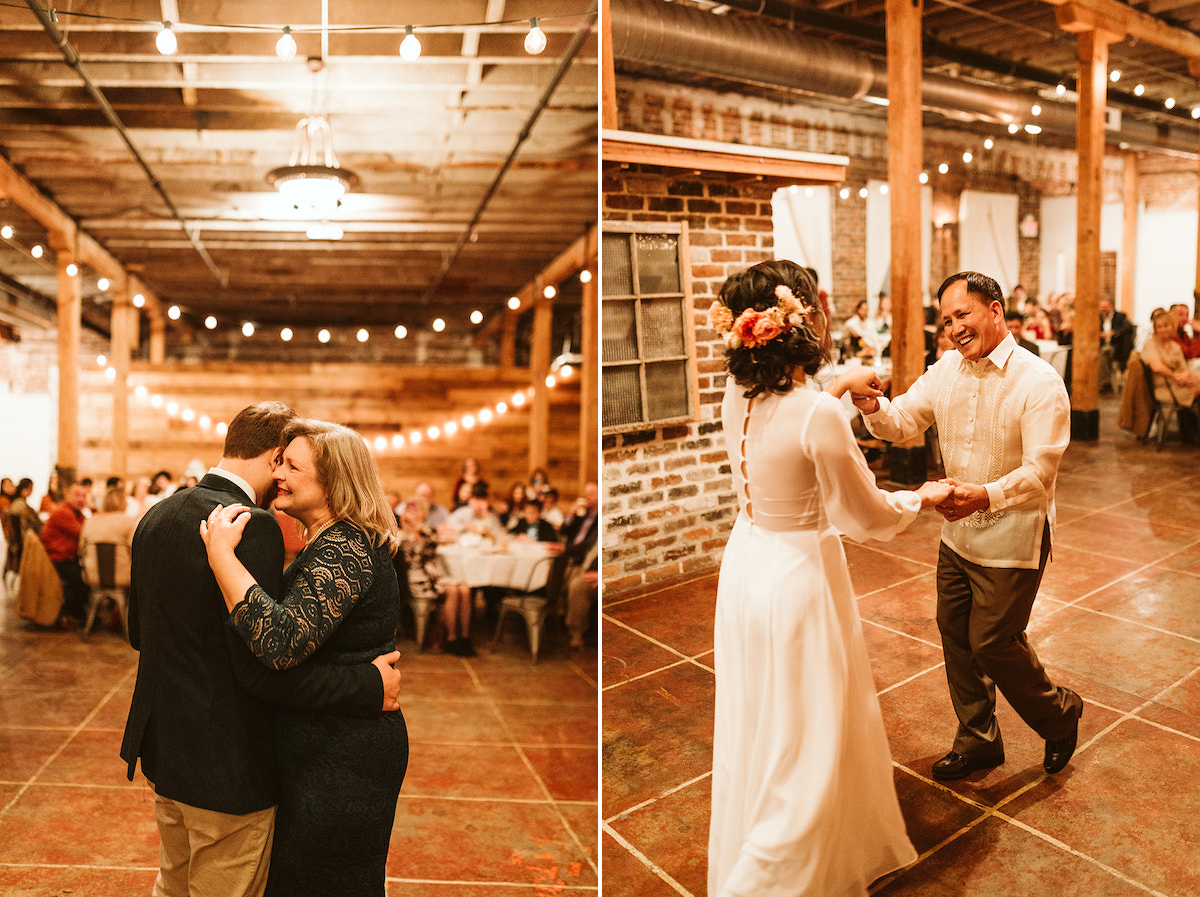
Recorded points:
1129,194
119,349
70,326
608,83
1089,145
539,369
589,374
905,155
158,336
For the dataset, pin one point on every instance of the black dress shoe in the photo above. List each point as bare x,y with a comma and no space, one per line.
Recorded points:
956,766
1060,751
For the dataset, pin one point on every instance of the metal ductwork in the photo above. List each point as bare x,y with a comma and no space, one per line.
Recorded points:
669,36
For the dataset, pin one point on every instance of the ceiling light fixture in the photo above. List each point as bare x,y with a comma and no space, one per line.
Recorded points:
313,178
410,47
166,41
535,40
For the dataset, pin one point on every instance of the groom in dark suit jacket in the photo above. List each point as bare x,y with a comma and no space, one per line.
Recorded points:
201,719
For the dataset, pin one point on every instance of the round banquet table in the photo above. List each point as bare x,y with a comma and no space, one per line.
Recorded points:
483,563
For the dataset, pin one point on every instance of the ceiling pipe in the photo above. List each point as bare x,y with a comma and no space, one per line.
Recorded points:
670,36
72,59
564,65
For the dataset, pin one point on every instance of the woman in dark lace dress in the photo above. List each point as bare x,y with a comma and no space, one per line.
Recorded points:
339,777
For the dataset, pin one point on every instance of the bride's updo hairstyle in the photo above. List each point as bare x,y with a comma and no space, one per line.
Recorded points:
766,365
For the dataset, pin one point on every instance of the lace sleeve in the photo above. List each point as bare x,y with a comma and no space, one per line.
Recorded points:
327,586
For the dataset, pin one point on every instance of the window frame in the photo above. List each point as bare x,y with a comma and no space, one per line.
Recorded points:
678,229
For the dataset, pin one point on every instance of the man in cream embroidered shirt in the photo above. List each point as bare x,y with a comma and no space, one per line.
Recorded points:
1004,422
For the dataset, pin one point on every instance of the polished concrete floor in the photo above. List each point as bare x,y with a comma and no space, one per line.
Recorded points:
1118,620
500,797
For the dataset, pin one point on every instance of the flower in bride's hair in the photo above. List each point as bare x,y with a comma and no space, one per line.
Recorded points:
743,327
767,327
720,318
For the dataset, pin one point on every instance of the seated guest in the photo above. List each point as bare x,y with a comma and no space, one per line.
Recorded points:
1116,342
1038,326
476,515
1173,382
435,514
20,507
1187,331
60,535
469,477
583,523
462,495
510,512
580,539
539,482
551,512
53,497
582,590
427,578
531,526
109,525
139,498
1015,323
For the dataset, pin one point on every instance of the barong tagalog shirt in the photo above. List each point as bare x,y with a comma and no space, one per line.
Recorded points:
1004,423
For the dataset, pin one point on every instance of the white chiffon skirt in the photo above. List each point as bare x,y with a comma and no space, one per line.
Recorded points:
803,799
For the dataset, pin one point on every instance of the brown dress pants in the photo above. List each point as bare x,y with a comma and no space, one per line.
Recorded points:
982,613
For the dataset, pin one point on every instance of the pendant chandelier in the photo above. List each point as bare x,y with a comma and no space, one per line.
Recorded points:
313,179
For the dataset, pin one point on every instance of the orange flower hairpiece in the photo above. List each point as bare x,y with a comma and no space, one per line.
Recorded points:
753,328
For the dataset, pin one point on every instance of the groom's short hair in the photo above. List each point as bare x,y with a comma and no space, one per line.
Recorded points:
257,429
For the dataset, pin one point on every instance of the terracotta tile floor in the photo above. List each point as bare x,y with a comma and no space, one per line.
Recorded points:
500,798
1118,620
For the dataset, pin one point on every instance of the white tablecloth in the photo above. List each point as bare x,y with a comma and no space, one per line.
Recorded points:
483,565
1055,354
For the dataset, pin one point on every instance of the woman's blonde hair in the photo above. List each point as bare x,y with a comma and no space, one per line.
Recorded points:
346,470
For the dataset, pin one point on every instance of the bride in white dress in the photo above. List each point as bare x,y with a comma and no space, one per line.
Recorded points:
803,801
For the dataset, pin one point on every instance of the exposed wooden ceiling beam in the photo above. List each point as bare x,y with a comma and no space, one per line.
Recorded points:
1124,21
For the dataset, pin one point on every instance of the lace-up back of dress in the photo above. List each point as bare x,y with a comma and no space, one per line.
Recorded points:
774,478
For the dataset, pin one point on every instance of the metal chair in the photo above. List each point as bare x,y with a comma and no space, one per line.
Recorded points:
105,588
1161,414
535,606
12,556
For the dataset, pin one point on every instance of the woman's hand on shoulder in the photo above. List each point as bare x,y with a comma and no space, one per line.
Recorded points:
224,527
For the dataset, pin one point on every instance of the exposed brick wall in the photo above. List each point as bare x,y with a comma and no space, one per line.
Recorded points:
667,499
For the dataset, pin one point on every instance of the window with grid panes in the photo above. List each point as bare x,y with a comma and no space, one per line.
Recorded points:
648,375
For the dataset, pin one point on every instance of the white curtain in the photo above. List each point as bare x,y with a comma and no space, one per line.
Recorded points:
879,241
987,236
1166,264
1059,224
803,220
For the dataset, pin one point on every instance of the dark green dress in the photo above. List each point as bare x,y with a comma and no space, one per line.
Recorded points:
339,776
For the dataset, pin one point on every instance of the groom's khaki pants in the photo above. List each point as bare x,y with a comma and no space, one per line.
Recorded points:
209,854
982,613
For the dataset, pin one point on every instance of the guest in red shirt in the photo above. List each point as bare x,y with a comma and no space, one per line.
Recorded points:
1186,331
60,535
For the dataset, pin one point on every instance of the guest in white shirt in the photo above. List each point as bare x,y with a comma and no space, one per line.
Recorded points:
476,515
1004,421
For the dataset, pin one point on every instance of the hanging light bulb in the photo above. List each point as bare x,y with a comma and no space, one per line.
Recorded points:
323,335
923,177
138,300
514,302
401,331
247,329
6,232
103,283
549,291
989,143
73,269
210,322
166,42
381,443
585,276
37,251
363,334
1139,90
535,40
174,312
285,47
438,325
410,47
286,334
476,316
1169,102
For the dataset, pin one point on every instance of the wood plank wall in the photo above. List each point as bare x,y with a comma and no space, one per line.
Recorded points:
373,399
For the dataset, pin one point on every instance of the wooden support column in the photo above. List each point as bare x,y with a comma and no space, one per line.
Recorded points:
158,336
539,369
1129,203
1089,145
508,342
608,83
589,374
908,466
70,326
120,346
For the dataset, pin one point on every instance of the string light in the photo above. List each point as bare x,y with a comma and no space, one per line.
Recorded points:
535,40
1114,76
210,322
138,300
989,143
285,47
166,41
1169,102
585,276
476,317
174,313
363,335
72,269
410,47
247,330
286,334
923,177
1013,127
6,232
514,302
401,331
103,283
323,335
438,325
943,168
1139,90
968,157
37,251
